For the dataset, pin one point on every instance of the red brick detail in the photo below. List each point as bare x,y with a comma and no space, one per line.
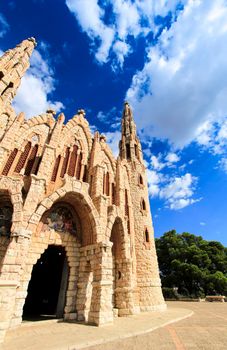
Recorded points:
9,162
23,157
31,160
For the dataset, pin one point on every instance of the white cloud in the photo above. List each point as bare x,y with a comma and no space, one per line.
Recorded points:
181,203
155,180
176,191
101,116
113,139
182,85
156,162
202,223
223,164
214,138
161,161
179,187
172,158
121,50
128,19
110,117
89,15
4,25
37,84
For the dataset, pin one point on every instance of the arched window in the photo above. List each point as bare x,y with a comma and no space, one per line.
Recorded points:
126,203
104,183
9,162
128,153
55,170
136,151
140,180
65,162
85,176
23,157
143,204
72,162
31,160
147,238
90,184
107,184
113,194
78,167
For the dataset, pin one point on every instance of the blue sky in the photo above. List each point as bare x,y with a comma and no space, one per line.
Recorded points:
168,59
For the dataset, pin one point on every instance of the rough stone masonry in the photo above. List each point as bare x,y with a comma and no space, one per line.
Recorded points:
70,214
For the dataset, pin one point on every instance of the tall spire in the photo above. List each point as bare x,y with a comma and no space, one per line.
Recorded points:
13,65
130,147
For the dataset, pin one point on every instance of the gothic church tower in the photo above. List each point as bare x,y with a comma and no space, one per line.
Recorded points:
147,273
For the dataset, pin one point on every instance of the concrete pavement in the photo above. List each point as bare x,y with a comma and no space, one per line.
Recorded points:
52,335
206,329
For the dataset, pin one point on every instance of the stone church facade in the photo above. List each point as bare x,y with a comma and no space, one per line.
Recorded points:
76,234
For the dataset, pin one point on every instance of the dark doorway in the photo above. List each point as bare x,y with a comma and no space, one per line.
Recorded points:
47,287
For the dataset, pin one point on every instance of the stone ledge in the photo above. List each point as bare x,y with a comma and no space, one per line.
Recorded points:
8,283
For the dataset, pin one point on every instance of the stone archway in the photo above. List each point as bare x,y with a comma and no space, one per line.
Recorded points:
118,258
48,285
122,282
58,228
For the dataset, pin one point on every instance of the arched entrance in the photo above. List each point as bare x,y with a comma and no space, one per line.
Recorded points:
47,287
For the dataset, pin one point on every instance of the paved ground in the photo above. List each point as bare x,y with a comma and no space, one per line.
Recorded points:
206,329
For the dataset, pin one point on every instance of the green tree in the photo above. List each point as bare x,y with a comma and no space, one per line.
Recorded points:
193,265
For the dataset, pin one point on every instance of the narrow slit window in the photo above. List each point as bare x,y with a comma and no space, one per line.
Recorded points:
143,204
55,170
128,153
65,162
147,238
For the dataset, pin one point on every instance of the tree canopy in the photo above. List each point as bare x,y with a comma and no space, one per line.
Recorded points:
193,265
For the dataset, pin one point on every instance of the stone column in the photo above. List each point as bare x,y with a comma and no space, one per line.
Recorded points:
101,311
10,296
7,299
126,296
95,262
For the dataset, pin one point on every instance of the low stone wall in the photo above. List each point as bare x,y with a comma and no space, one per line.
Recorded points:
186,299
219,298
